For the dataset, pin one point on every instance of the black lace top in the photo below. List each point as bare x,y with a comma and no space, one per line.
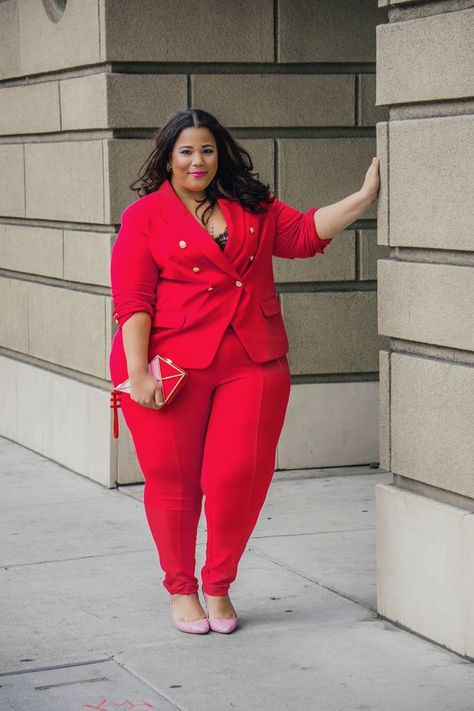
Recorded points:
222,239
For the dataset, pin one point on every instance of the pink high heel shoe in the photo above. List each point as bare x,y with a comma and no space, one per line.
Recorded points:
224,625
193,626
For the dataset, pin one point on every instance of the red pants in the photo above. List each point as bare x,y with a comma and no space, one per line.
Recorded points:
218,437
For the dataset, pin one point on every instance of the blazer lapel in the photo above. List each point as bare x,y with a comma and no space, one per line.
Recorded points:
182,221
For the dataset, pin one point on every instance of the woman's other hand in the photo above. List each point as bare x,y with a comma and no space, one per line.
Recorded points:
146,391
370,188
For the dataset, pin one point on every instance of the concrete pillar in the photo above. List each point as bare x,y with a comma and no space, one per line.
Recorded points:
425,520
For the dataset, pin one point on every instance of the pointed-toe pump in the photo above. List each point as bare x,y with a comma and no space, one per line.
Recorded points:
224,625
192,626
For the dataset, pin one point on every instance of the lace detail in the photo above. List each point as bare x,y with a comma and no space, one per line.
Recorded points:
222,239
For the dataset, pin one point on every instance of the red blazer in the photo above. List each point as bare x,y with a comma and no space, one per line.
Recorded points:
165,263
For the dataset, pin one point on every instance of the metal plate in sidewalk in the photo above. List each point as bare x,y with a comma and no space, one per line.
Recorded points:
96,686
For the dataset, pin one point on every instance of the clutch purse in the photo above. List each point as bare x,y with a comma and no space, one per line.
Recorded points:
170,377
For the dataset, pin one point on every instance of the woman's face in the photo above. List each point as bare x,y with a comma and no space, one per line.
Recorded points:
193,160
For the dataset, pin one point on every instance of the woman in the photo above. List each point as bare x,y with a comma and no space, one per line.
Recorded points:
192,280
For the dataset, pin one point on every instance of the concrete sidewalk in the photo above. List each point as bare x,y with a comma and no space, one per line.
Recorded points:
85,619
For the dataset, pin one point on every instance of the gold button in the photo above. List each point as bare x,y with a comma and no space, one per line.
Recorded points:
252,229
196,269
182,244
238,283
251,257
210,288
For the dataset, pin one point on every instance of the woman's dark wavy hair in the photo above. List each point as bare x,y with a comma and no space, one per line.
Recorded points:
234,178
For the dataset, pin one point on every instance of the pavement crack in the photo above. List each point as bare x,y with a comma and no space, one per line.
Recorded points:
31,670
314,533
312,580
67,560
144,680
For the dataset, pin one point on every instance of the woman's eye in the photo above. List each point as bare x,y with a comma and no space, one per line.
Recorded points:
207,150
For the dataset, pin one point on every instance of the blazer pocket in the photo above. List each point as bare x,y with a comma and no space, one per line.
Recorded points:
271,306
168,318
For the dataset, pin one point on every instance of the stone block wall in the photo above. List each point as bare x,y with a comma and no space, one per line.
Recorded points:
425,519
81,92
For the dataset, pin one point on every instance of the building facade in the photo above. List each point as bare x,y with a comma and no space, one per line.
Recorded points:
380,326
83,87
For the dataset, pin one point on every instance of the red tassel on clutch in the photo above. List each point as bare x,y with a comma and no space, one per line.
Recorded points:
114,404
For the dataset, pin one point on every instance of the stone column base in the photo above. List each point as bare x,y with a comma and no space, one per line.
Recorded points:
65,420
425,567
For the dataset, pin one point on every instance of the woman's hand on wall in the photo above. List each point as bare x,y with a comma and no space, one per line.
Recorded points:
370,188
332,219
146,391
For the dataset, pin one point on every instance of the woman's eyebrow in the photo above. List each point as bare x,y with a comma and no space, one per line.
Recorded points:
205,145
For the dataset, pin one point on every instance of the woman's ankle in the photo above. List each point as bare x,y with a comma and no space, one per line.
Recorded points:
187,606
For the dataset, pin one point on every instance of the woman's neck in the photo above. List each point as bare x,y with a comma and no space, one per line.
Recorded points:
188,197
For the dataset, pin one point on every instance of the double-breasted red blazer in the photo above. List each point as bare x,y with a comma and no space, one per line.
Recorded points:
165,263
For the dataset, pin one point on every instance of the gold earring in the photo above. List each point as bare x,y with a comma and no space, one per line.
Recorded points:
168,167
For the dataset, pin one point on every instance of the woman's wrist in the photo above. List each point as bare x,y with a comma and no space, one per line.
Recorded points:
365,200
138,371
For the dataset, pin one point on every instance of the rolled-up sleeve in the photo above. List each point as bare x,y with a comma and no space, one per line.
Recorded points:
133,270
295,232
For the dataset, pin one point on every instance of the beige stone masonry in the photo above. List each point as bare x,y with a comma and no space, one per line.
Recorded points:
277,99
35,44
14,321
431,303
324,32
262,154
332,332
336,264
318,171
425,59
97,101
121,100
33,250
383,197
431,422
384,409
87,256
10,62
369,113
425,567
59,417
369,254
82,181
64,181
12,180
30,109
330,424
73,255
428,206
207,31
67,327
